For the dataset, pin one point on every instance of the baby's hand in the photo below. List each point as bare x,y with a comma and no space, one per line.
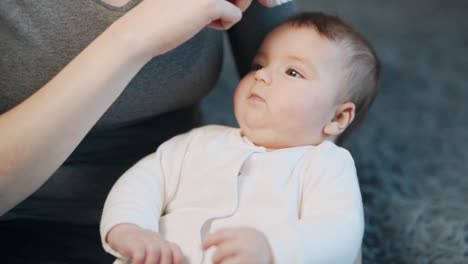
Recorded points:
141,246
239,245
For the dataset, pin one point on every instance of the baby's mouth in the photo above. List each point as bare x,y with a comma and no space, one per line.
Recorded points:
256,97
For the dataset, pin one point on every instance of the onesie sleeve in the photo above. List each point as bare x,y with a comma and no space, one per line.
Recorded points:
141,194
330,223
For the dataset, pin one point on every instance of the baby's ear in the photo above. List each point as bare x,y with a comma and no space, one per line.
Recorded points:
344,115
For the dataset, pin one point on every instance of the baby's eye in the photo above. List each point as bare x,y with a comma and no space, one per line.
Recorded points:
294,73
256,67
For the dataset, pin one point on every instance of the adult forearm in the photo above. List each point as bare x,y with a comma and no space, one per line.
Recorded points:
40,133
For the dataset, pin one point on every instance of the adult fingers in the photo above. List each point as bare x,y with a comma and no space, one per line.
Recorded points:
216,25
272,3
218,237
224,251
224,14
177,256
241,4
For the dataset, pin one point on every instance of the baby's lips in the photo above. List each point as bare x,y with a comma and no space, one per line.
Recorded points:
272,3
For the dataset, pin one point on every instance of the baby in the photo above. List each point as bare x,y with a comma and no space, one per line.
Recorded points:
278,189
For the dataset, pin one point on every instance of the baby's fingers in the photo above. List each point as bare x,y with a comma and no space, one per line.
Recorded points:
232,260
152,255
218,237
166,254
138,256
177,256
225,251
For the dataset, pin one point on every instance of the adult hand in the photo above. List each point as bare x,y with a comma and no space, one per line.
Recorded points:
155,27
239,245
143,246
243,5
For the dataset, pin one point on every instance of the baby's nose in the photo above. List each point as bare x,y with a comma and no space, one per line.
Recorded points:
263,75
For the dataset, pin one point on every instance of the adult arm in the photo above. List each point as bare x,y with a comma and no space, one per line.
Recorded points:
247,35
331,222
40,133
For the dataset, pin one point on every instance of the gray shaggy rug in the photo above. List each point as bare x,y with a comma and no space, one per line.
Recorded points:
412,152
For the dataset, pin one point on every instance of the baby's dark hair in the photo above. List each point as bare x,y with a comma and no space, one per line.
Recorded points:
361,65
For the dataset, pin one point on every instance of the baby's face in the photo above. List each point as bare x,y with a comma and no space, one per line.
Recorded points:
291,92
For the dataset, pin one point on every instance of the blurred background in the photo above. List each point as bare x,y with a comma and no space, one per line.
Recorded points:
412,152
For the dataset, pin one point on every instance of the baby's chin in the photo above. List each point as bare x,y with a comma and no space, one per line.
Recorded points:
271,139
265,138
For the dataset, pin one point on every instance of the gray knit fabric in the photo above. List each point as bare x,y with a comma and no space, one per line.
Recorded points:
38,38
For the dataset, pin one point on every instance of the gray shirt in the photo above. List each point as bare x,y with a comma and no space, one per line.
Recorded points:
38,39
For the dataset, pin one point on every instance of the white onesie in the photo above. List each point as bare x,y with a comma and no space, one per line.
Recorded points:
306,200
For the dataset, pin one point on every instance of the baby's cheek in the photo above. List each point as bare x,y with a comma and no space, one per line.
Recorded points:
242,88
293,108
237,95
240,93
